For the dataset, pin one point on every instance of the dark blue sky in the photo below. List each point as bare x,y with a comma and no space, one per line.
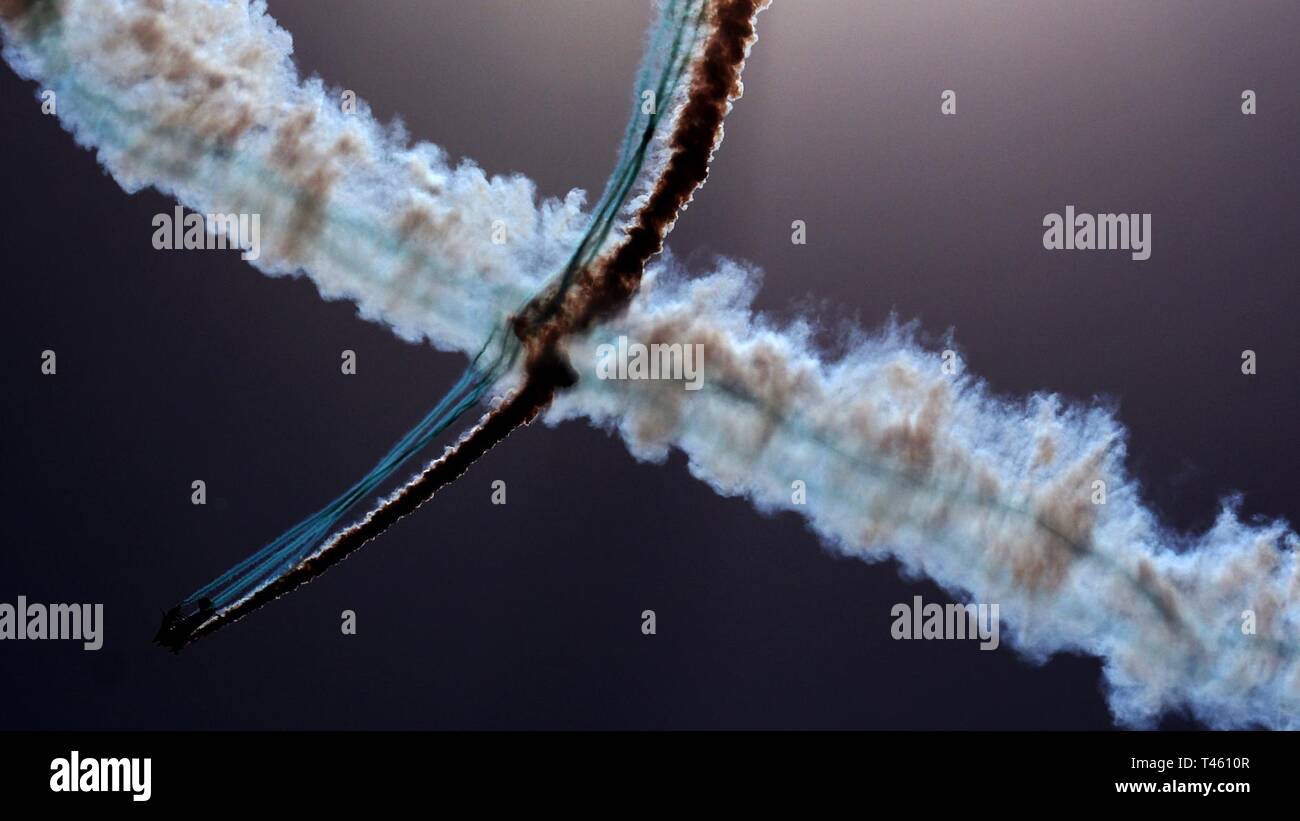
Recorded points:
175,366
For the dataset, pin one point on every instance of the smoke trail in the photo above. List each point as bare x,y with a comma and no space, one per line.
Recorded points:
673,44
202,100
992,498
544,325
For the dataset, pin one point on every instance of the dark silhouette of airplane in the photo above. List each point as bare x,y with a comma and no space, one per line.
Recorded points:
178,625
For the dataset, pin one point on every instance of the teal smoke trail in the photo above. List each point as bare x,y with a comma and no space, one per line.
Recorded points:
673,39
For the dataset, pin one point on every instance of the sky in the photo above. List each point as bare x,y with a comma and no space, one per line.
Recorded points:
180,366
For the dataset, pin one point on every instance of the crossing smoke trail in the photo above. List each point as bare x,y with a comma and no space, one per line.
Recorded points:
201,99
596,293
296,553
989,496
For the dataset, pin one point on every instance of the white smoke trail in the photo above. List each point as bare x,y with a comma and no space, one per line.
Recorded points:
990,497
202,101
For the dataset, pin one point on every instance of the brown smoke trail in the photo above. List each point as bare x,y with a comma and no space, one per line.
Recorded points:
606,288
33,13
598,293
12,9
